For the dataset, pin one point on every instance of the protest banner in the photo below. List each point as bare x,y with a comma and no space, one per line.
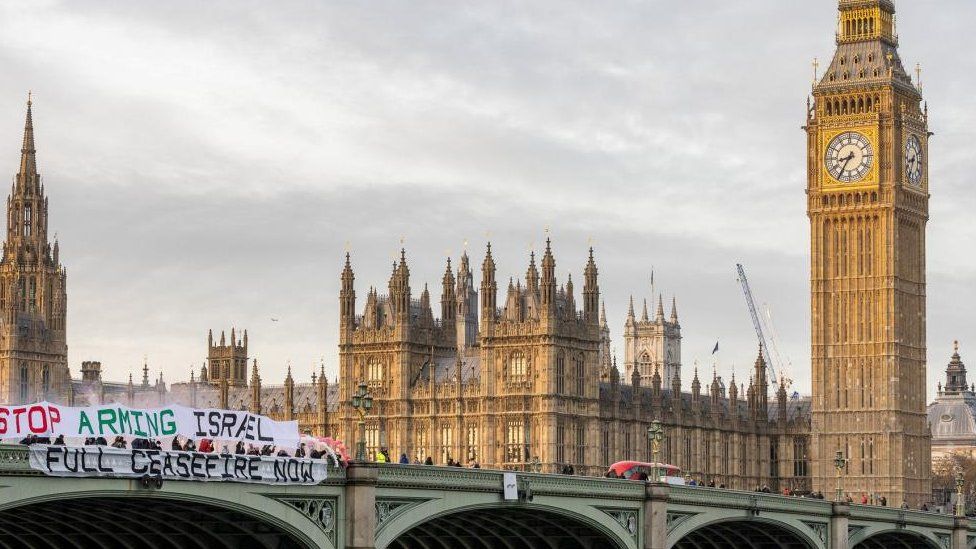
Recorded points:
105,461
110,420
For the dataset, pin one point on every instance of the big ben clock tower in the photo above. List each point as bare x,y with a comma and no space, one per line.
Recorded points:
867,200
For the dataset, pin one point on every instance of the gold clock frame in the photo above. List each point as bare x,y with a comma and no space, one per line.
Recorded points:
869,180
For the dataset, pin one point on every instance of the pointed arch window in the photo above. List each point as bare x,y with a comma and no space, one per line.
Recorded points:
28,219
580,375
24,383
46,379
518,367
560,372
374,371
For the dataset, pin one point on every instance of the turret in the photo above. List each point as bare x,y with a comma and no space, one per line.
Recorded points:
347,298
489,289
289,396
631,319
400,290
448,299
695,390
547,289
255,388
322,403
674,310
955,373
532,275
781,402
591,291
659,315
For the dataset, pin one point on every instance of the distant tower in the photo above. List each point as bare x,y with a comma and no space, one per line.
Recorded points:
227,360
466,319
33,301
653,345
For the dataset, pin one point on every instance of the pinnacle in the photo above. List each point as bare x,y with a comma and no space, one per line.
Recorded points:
28,161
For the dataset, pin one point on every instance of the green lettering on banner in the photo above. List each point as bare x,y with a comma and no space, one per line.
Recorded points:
84,422
152,421
137,415
169,426
124,424
106,417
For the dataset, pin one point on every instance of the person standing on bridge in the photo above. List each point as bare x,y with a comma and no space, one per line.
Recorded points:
380,457
404,460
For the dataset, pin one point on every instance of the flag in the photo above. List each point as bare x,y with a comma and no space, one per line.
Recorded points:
715,350
795,395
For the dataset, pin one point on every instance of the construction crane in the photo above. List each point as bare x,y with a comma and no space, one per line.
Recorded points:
781,365
756,323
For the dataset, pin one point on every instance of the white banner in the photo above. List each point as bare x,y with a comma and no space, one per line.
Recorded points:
111,420
105,461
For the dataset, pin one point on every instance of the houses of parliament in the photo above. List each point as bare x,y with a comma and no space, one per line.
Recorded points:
522,375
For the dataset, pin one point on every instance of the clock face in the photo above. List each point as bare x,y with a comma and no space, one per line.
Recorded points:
849,157
913,161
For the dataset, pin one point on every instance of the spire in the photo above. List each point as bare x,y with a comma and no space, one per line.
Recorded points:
674,310
630,310
548,289
591,291
659,316
145,372
532,274
28,154
644,314
603,314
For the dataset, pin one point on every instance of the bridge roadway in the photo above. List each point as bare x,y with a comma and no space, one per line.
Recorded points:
422,507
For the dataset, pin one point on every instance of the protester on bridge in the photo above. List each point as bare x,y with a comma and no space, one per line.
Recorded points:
59,441
404,460
883,501
118,442
380,457
850,499
252,450
925,507
475,465
904,505
864,498
225,451
282,453
300,451
176,444
239,449
428,461
206,446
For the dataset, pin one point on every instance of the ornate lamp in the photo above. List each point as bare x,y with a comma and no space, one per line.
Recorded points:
362,402
655,433
839,463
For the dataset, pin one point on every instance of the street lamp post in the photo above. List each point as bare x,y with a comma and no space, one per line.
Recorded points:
839,464
362,402
655,433
960,502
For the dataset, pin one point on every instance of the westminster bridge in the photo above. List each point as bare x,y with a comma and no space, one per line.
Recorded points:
423,507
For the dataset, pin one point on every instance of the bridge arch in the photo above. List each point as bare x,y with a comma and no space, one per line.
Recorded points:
439,525
895,539
148,519
747,532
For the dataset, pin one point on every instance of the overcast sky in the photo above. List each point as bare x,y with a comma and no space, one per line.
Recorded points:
206,162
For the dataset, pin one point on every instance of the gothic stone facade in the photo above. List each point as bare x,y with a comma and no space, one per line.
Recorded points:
520,385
